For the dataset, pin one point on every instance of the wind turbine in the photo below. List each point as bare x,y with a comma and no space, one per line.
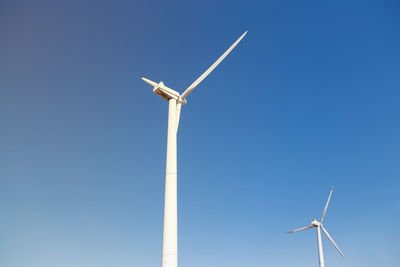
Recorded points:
170,233
318,226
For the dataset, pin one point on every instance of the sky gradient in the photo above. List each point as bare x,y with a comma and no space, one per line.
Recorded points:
307,100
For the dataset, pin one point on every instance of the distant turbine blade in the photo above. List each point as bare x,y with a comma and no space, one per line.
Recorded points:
301,229
154,84
326,206
210,69
330,239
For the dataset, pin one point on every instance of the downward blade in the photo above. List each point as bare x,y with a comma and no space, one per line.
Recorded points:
301,229
326,206
330,239
210,69
154,84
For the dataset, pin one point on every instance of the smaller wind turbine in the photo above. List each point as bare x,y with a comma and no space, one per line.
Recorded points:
318,225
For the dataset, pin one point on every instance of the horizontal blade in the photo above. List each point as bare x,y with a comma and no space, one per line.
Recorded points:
301,229
154,84
210,69
326,206
330,239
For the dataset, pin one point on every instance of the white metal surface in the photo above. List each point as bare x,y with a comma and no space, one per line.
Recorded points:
331,239
320,251
301,229
326,205
318,226
211,68
170,230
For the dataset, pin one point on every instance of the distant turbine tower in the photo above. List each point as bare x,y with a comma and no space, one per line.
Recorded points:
318,225
170,234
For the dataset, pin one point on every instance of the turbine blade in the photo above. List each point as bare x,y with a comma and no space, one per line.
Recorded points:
326,206
301,229
154,84
210,69
330,239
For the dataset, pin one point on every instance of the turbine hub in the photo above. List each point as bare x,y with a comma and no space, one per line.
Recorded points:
182,101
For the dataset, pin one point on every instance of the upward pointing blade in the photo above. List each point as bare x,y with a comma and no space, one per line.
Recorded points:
301,229
210,69
330,239
326,206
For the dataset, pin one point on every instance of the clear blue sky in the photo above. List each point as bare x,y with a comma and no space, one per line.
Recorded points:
309,99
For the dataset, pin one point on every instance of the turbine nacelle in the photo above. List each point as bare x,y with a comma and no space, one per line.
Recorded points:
165,92
315,223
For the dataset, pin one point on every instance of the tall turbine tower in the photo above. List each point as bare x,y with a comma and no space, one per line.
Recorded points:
318,226
170,233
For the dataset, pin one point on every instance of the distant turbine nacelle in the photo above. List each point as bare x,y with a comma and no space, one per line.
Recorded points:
315,222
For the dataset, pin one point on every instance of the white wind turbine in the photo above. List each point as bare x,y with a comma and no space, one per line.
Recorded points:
170,233
318,226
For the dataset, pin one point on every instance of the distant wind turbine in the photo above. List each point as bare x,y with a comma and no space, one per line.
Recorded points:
318,226
170,233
